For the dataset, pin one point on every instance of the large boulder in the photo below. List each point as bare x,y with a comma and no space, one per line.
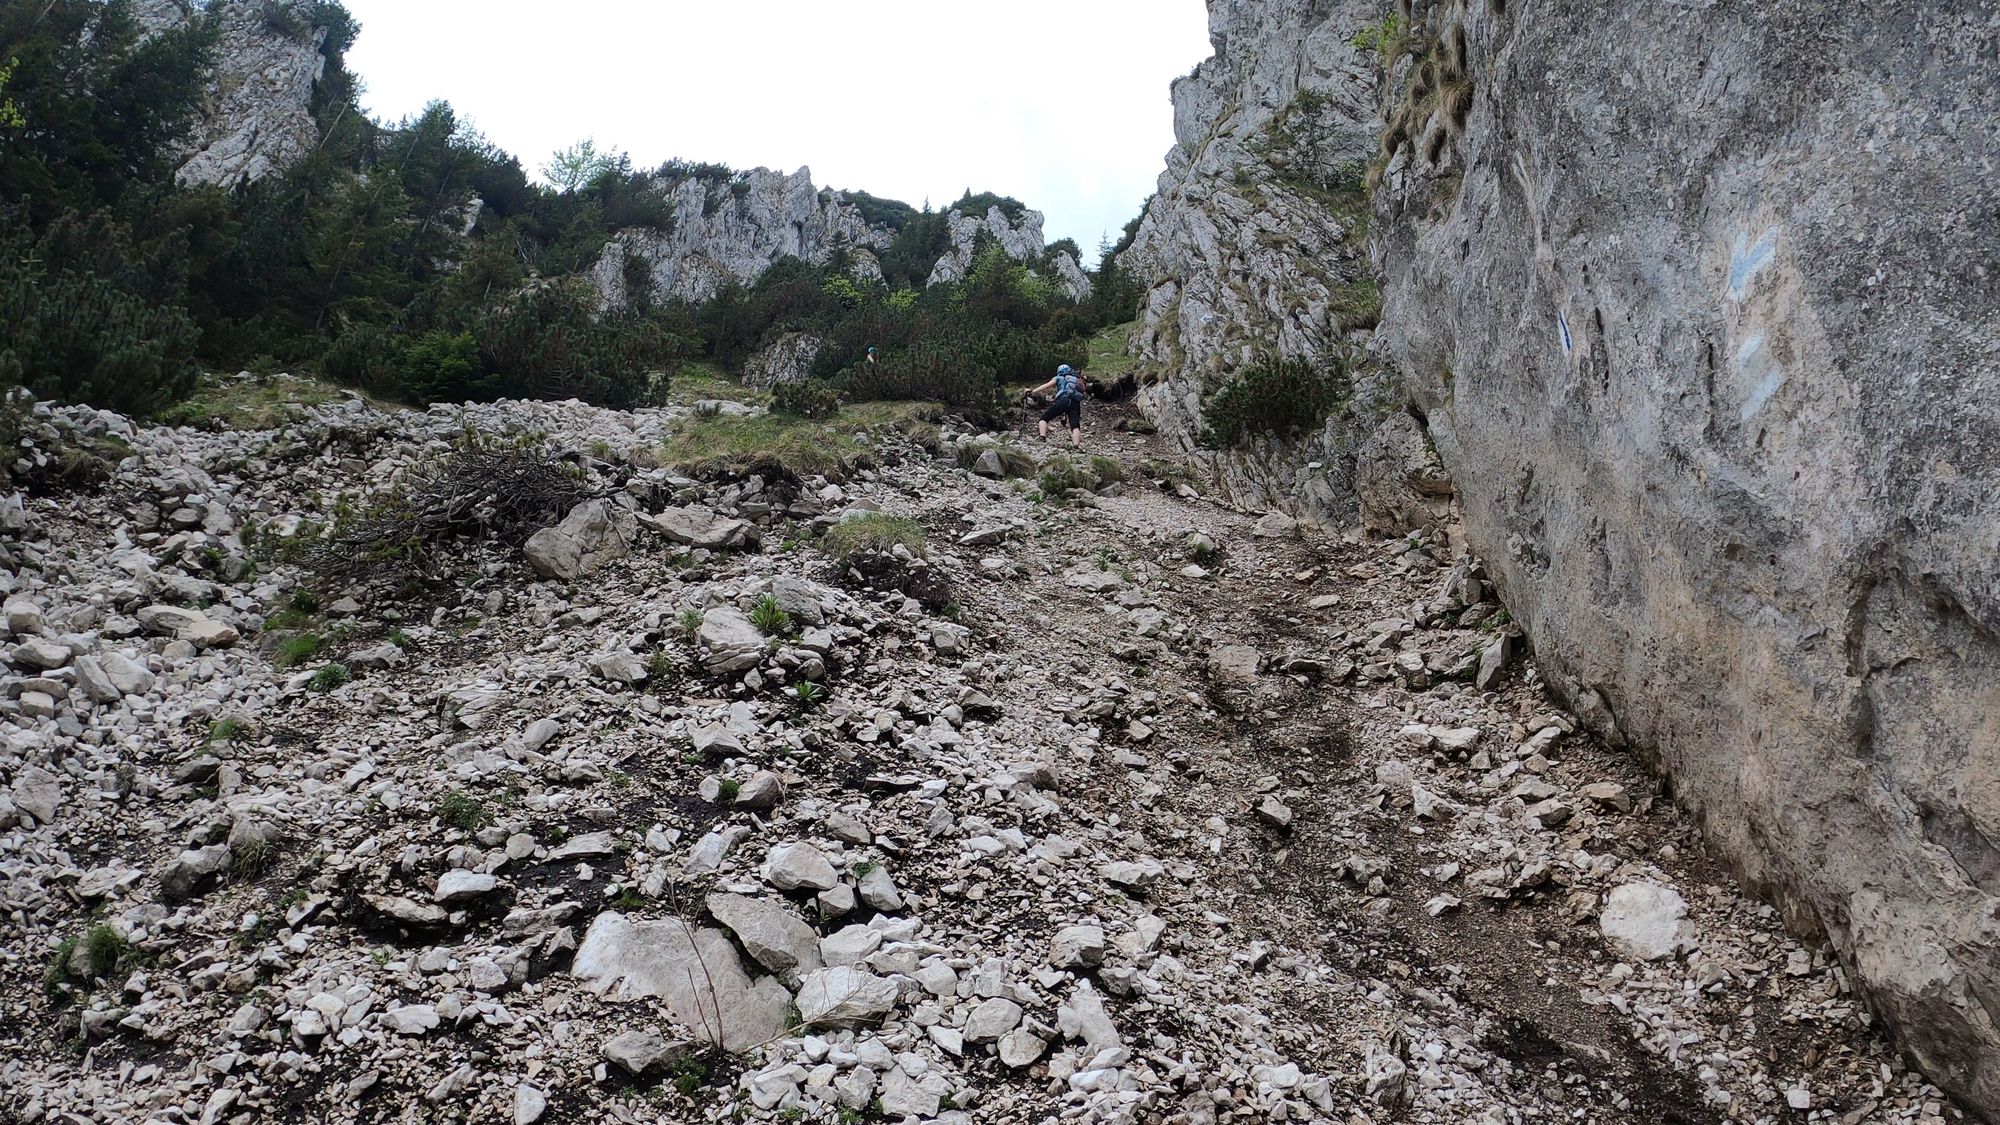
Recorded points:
696,973
728,642
695,526
771,932
594,533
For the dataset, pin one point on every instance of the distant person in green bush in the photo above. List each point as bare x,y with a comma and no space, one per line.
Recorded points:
1067,387
871,354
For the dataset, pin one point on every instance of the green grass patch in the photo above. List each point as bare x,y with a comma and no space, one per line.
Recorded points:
802,446
696,382
871,533
265,402
297,650
1105,359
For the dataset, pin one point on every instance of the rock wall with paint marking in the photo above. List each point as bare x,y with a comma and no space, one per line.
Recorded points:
1702,309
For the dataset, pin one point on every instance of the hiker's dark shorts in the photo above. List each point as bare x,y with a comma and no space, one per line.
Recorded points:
1071,405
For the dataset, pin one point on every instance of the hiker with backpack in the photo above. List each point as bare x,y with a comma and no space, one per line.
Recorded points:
1067,387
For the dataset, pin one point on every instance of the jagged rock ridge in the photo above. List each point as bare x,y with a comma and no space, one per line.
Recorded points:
732,231
258,117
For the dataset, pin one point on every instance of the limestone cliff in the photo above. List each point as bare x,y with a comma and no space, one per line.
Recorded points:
1702,311
257,119
1253,248
732,230
1697,305
1020,237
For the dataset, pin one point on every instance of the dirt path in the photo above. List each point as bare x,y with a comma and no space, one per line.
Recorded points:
1503,997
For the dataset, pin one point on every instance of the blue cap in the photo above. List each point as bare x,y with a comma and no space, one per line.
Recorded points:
1064,370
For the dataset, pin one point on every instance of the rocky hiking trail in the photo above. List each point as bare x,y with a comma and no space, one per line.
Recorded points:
1124,806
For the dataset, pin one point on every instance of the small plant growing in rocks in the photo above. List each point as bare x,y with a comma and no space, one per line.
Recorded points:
726,791
689,1075
226,730
297,650
463,812
690,623
770,619
329,678
251,860
807,695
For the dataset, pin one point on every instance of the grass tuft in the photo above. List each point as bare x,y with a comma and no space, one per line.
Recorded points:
329,678
297,650
871,533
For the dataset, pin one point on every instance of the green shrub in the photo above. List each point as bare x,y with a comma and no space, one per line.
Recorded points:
808,398
1277,398
75,336
329,678
463,812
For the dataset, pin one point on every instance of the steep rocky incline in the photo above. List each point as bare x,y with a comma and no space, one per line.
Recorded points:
736,799
257,120
1696,305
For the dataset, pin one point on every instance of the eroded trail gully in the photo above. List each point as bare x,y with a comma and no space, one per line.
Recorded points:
1169,812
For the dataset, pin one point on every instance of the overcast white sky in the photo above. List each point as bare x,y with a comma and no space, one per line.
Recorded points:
1062,104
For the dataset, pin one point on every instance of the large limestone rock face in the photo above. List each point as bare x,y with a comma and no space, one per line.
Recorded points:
733,231
1701,311
257,119
1020,238
1253,248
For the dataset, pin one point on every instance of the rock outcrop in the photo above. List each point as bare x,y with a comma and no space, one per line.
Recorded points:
1020,237
1698,312
1715,363
1253,248
730,230
257,120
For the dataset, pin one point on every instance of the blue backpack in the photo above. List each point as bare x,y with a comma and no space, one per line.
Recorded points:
1068,386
